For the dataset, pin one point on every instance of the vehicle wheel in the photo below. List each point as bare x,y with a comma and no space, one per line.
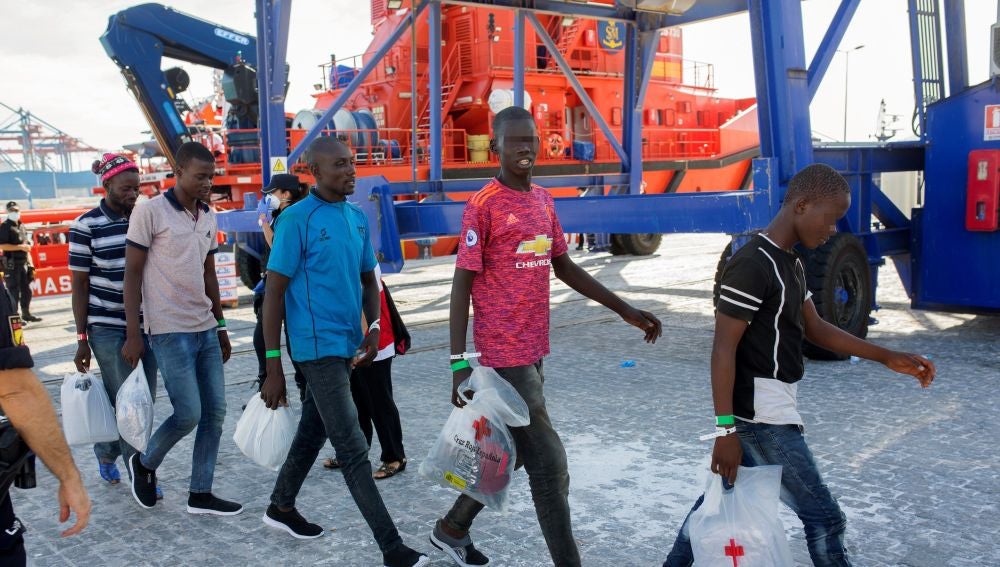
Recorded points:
618,245
249,268
641,244
839,276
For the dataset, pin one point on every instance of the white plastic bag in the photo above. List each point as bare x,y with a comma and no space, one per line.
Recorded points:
87,415
741,524
265,435
475,452
135,410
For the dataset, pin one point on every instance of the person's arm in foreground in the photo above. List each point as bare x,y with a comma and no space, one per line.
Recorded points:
458,325
577,278
727,453
830,337
27,404
212,291
372,309
81,294
272,391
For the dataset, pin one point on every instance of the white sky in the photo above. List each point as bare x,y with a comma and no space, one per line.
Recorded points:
53,64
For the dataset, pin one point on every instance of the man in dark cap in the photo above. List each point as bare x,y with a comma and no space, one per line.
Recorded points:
17,268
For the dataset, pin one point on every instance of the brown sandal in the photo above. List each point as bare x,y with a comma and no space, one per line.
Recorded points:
332,463
389,470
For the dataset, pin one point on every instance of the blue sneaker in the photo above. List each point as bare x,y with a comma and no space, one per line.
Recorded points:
159,493
109,472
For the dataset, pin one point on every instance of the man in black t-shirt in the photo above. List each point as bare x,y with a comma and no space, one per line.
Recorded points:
16,247
763,312
25,402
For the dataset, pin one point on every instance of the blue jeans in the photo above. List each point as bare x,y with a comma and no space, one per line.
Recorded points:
328,412
106,343
802,490
191,365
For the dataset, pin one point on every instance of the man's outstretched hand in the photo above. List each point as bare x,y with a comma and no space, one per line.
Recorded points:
645,321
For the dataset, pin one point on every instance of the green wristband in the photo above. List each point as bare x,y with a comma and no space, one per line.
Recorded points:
460,365
222,323
276,353
721,420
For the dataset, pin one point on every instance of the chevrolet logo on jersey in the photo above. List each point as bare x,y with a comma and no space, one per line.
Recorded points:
539,246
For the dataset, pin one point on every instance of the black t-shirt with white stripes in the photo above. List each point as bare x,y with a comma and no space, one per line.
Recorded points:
766,287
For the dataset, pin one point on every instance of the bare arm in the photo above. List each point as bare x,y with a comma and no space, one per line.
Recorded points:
577,278
135,264
371,307
728,453
458,324
27,404
273,389
830,337
268,233
81,295
212,291
15,247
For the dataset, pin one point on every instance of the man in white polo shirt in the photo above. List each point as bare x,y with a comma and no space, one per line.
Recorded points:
170,264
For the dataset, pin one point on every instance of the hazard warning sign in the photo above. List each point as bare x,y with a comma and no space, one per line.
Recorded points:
991,128
279,164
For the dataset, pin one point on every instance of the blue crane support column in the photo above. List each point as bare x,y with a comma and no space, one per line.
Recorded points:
958,64
637,73
434,84
519,58
375,61
595,114
272,43
782,91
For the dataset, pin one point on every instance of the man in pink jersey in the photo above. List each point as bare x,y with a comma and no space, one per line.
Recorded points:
510,238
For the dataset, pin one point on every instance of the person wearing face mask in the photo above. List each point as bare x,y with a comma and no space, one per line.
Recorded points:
283,190
16,248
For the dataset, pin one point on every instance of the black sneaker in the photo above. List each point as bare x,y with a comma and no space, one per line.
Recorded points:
461,551
403,556
31,319
143,482
291,522
206,503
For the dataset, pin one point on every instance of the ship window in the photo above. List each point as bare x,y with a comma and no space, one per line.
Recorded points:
668,116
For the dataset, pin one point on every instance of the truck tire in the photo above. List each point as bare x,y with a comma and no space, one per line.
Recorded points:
840,279
618,245
249,268
641,244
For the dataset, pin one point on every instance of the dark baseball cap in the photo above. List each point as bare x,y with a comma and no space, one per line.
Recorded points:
12,206
283,181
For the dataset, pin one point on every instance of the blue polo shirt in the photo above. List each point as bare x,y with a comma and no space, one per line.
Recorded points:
323,248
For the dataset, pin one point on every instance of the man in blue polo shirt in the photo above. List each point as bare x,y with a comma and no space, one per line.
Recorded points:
97,261
320,274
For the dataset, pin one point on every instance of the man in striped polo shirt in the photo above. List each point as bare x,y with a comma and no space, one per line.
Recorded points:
97,262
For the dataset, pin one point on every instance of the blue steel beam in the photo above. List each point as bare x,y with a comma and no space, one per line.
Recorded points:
635,89
272,31
831,40
434,85
595,114
519,58
730,212
376,60
958,64
781,81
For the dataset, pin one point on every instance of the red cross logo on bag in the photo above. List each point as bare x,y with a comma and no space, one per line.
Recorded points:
482,427
734,551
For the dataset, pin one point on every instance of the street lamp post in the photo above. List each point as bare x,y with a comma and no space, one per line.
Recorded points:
847,66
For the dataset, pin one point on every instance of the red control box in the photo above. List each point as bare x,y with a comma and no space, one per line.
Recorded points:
982,203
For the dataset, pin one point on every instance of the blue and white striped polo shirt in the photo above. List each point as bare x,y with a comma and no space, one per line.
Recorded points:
97,246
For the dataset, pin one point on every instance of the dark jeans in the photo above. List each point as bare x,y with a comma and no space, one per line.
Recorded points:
191,365
106,342
258,347
328,412
802,490
19,286
371,388
541,452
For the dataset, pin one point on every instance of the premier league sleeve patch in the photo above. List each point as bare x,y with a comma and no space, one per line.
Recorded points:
16,330
471,238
